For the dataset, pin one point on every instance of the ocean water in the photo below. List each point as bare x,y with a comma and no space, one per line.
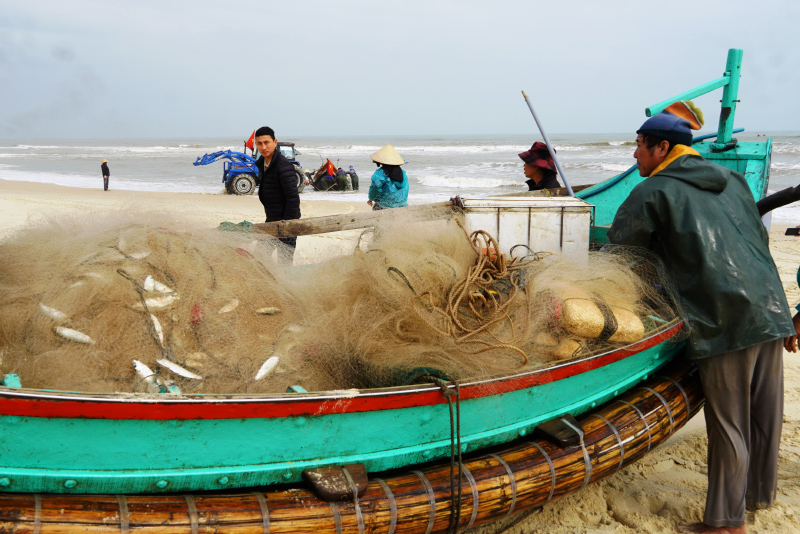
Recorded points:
439,167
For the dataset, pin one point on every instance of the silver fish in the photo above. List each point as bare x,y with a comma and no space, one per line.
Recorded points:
157,303
267,367
150,284
53,313
73,335
272,310
229,307
147,375
178,370
158,329
139,255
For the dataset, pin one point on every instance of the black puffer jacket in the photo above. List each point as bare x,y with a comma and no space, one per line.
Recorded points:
278,188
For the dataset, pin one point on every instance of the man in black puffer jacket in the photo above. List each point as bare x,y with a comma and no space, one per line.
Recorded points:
278,186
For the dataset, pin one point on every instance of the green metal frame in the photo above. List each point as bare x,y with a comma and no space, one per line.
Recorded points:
750,159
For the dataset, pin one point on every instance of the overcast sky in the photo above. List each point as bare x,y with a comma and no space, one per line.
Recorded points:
106,69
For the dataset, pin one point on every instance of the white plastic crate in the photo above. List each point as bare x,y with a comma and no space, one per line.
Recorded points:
559,225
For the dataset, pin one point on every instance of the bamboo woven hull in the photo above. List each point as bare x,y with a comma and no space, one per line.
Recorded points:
521,476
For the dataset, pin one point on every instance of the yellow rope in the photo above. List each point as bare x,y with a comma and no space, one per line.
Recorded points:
473,305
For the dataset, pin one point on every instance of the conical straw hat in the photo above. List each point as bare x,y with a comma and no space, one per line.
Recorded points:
388,156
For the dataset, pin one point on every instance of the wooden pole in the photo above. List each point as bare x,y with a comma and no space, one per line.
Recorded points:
351,221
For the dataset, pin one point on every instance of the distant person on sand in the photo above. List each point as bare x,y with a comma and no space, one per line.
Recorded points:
702,221
106,173
389,187
540,169
278,187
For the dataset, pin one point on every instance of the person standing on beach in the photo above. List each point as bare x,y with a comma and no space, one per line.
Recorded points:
540,169
389,188
278,187
106,173
702,221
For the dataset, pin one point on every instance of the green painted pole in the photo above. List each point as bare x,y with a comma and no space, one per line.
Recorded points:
730,96
688,95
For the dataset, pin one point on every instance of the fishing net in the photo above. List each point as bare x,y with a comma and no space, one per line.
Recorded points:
147,304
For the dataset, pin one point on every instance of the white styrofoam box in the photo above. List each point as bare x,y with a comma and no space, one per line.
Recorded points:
560,225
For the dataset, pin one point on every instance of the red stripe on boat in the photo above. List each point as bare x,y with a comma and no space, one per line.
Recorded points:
65,405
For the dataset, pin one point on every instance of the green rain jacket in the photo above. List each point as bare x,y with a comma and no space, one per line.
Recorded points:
702,220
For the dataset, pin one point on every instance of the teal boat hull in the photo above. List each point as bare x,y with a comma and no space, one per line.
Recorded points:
58,442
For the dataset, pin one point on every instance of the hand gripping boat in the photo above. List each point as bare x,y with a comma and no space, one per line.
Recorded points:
424,458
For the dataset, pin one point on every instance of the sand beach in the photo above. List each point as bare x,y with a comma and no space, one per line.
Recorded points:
653,495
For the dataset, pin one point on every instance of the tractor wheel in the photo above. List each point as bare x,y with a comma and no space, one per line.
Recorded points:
244,184
301,178
229,187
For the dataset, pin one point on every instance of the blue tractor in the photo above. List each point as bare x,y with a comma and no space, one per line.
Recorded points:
239,172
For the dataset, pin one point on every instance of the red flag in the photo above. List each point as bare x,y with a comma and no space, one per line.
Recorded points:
250,143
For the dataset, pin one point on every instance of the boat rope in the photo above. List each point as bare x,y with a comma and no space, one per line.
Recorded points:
392,504
644,420
475,498
683,392
513,481
431,499
481,300
337,517
37,514
455,449
193,516
354,489
666,406
587,461
124,515
262,503
616,433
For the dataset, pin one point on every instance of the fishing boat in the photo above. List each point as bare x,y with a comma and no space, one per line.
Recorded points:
423,458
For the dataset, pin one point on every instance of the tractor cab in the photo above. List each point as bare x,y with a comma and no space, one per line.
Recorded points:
288,150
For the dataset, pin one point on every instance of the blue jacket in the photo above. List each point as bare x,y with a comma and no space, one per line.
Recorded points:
386,193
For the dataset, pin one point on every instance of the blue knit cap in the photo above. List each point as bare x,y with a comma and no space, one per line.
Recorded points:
668,126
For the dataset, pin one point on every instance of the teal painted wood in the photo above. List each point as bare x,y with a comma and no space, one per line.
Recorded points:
730,95
57,455
750,159
688,95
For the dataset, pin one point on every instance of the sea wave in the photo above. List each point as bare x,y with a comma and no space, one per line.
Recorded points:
461,182
785,166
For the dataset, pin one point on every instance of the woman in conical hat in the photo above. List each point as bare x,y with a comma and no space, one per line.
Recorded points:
389,187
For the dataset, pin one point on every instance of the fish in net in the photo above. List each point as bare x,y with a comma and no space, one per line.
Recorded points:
150,304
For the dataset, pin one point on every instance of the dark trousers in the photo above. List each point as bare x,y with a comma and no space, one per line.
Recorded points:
105,183
744,416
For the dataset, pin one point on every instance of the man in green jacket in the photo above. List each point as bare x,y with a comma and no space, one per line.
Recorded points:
702,221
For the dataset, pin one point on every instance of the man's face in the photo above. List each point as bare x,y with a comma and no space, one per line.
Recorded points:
649,158
266,145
